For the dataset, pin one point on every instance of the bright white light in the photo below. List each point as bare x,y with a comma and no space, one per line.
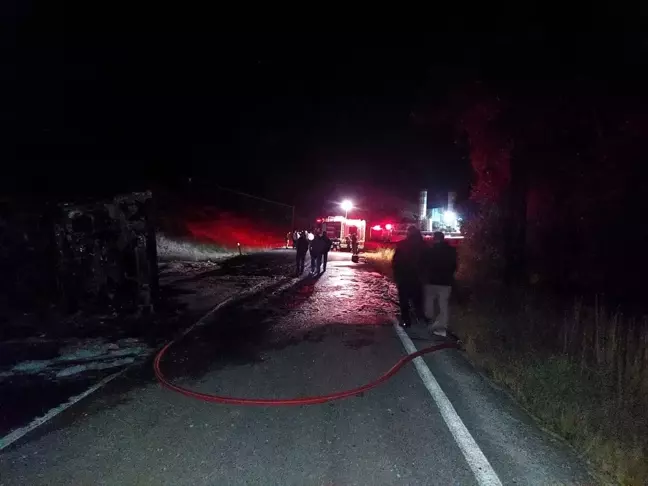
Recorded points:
377,227
388,227
346,205
311,236
450,218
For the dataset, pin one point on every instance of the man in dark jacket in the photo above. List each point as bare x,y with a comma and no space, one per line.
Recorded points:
440,263
316,251
354,244
302,247
327,247
406,267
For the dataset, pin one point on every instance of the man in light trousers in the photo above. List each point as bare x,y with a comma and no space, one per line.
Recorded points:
440,263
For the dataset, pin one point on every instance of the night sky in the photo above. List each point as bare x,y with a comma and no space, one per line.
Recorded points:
295,117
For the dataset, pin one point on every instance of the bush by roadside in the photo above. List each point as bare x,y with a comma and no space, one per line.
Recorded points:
581,371
381,260
188,250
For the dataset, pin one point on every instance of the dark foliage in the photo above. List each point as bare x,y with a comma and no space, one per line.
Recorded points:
557,186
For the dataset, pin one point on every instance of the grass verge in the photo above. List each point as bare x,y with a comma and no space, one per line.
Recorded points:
381,260
188,250
581,371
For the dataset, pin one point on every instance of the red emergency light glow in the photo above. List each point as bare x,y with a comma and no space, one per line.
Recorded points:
388,227
231,231
377,227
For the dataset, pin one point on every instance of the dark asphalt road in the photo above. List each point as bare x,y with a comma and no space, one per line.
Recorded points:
321,336
189,290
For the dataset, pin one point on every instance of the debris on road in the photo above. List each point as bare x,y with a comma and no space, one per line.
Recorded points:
83,355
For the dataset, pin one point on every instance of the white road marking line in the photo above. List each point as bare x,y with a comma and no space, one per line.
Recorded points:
476,459
37,422
229,300
241,295
16,434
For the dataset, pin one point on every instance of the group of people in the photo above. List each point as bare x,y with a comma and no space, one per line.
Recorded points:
318,246
292,237
424,276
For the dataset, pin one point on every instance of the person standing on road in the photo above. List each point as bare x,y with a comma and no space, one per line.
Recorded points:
327,247
406,267
316,252
302,247
440,263
354,244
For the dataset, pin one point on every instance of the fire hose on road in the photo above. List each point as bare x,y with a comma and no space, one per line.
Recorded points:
312,400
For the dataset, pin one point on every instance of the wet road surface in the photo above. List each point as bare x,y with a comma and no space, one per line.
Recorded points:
37,376
323,335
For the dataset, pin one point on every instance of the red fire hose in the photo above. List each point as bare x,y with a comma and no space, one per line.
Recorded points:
291,401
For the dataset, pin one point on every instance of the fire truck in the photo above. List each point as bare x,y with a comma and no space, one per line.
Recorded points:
383,233
339,229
